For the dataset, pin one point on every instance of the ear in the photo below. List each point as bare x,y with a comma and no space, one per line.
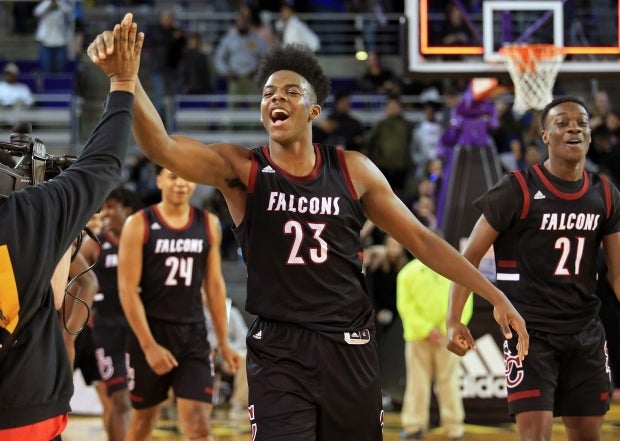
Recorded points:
544,136
315,111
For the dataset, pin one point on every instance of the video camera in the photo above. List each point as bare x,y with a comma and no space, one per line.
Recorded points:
34,164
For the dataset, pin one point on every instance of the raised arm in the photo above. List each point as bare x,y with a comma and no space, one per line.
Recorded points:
190,159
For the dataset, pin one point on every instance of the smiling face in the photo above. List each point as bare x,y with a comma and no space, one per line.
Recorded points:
114,214
288,107
567,132
174,190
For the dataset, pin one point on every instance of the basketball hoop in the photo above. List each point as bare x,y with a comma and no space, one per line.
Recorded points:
533,69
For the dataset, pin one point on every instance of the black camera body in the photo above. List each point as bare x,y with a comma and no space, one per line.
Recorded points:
34,165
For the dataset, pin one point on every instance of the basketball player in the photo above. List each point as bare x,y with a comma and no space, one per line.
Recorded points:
546,224
110,328
298,207
168,252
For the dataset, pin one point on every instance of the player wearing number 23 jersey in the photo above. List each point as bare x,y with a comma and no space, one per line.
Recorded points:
313,341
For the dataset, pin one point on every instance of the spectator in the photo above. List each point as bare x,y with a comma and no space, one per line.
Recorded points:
12,92
166,43
259,23
600,106
427,133
377,78
195,68
422,301
293,30
507,136
388,144
52,35
605,148
238,56
348,131
455,31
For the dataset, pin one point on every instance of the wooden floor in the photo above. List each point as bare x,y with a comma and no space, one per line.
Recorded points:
88,428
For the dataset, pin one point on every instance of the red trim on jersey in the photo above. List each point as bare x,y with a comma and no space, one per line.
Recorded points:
136,398
526,195
208,226
607,192
46,429
506,263
161,218
604,396
561,194
110,238
523,394
147,229
115,380
345,171
310,176
253,171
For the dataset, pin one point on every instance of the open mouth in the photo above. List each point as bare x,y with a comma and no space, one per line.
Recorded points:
278,115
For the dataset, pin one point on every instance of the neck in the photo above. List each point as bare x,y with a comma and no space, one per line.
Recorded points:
568,171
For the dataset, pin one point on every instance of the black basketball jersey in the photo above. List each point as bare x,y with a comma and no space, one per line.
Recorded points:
173,267
546,251
108,310
300,240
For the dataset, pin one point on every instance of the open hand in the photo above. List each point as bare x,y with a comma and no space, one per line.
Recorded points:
117,52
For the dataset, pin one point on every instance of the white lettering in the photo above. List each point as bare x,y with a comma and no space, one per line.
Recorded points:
185,245
569,221
325,205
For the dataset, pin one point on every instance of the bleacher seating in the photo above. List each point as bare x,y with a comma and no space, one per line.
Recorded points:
54,118
55,113
210,118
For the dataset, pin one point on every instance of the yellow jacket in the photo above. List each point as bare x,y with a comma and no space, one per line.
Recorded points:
422,301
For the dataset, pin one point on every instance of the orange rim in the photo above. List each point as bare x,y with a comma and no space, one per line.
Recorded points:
525,56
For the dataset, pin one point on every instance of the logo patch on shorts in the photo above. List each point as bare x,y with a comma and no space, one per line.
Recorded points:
360,337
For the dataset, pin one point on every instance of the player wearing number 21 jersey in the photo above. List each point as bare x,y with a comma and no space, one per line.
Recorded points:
546,224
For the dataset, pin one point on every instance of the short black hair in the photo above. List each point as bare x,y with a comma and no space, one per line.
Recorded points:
126,198
557,102
299,59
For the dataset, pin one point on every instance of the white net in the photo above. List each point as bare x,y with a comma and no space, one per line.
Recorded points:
533,70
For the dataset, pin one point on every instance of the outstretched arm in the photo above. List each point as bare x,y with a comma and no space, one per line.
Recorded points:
389,213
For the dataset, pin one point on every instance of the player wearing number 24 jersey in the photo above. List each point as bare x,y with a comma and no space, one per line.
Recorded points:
168,261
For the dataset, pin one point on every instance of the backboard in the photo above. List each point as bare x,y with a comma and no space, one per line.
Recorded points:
589,35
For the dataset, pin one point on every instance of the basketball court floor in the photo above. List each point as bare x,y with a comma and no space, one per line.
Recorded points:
88,428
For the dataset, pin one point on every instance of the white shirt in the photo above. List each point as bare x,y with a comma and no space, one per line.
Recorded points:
296,31
53,28
12,94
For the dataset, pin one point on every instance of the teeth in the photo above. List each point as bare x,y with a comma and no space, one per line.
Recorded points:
278,111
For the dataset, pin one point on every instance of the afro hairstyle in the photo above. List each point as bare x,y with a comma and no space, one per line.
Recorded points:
299,59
